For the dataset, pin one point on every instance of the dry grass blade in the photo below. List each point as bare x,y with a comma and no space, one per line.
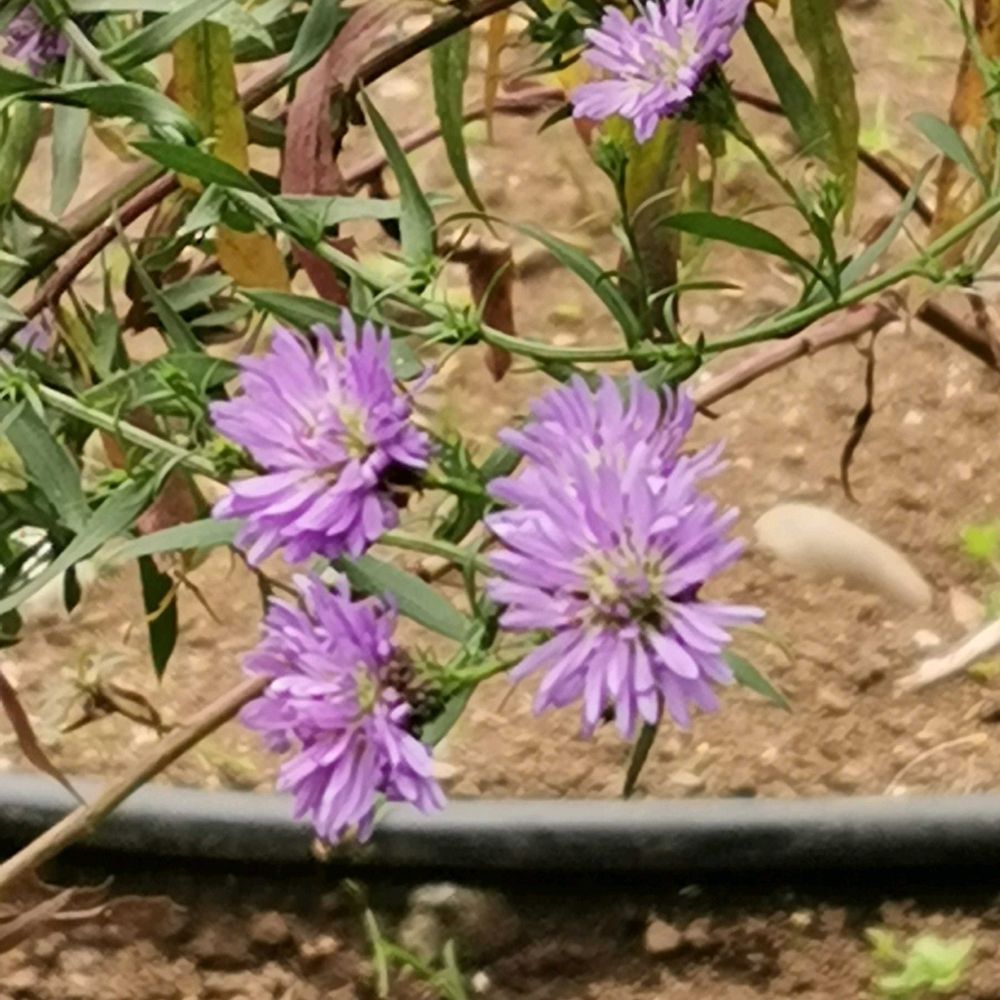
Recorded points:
13,932
26,738
496,34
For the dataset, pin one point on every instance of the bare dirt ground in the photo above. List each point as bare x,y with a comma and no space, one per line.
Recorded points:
927,467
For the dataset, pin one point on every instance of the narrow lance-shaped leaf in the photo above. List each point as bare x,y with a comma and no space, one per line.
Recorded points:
141,46
796,99
449,69
748,676
69,128
19,128
113,517
47,463
595,277
320,24
946,138
205,86
416,222
737,232
817,30
414,598
159,601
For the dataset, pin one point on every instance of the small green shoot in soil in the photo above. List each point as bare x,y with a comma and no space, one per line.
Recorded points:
981,544
927,965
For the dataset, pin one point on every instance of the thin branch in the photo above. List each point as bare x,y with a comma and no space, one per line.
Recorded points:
848,325
83,820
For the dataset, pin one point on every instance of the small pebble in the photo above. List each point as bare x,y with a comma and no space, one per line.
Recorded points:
661,938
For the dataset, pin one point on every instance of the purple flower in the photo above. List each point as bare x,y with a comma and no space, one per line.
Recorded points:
607,541
33,41
37,336
656,61
331,431
331,663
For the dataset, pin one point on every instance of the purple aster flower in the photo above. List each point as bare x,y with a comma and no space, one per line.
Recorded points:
606,543
37,336
331,432
331,663
656,61
33,41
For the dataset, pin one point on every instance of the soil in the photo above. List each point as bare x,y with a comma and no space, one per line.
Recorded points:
927,467
649,943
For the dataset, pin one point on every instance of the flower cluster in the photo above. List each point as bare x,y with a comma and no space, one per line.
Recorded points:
33,41
606,543
331,664
655,62
332,434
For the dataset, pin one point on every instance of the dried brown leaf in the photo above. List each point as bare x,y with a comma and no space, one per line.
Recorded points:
958,194
26,738
496,34
309,162
491,282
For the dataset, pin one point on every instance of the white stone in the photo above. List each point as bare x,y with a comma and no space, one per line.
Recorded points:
817,542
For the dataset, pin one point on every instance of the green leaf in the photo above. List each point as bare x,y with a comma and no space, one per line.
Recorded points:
200,369
194,163
414,598
598,280
748,676
159,601
12,82
865,260
940,134
416,221
437,729
115,515
319,26
817,31
737,232
153,40
176,331
121,100
449,70
796,99
981,542
19,129
637,759
190,292
302,311
47,462
331,211
69,128
206,534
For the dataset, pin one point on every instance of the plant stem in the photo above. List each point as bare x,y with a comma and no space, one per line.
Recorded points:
136,435
82,820
791,322
434,547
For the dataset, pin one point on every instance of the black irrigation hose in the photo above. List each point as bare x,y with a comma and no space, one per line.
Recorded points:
693,837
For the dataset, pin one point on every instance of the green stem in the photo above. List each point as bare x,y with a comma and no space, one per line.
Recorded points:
434,547
792,322
136,435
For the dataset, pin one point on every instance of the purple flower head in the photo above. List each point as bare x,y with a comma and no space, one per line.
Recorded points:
331,697
330,430
606,542
655,62
37,336
33,41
